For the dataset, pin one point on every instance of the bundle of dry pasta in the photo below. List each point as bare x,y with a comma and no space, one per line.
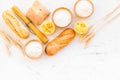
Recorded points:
33,28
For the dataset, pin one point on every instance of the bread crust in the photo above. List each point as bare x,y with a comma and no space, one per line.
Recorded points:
14,24
37,13
61,41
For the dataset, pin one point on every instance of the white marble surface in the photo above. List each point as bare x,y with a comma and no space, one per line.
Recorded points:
100,61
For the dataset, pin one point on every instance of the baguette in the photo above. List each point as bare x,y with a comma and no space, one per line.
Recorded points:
61,41
15,25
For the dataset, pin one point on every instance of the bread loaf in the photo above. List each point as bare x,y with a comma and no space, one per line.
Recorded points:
60,41
37,13
15,25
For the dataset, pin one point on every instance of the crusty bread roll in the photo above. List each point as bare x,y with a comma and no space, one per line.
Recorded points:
37,13
15,25
60,41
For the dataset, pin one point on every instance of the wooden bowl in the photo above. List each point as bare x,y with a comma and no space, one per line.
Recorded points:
34,57
93,8
58,9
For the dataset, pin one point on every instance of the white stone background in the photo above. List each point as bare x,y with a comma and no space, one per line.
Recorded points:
100,61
